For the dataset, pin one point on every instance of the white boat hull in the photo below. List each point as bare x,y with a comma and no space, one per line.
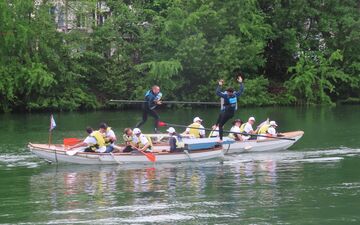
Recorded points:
56,153
269,144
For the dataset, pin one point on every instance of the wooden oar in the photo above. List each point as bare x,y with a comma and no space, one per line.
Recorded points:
166,102
73,152
162,124
187,154
114,157
151,157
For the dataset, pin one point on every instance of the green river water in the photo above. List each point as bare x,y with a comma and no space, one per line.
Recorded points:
317,181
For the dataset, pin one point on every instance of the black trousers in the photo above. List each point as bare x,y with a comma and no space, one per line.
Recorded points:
152,113
128,149
222,119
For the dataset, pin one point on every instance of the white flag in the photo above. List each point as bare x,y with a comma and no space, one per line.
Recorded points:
52,122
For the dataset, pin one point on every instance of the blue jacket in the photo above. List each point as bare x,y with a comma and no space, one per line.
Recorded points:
230,102
150,99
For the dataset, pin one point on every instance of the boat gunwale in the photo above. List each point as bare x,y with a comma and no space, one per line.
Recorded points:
63,152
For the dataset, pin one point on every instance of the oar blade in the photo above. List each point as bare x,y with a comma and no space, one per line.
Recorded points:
73,152
162,124
151,157
71,141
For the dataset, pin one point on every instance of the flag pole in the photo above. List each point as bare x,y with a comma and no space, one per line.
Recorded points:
49,138
50,130
51,127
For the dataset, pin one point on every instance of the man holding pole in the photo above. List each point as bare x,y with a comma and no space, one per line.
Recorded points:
152,100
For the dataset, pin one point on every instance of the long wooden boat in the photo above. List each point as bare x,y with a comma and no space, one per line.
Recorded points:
193,152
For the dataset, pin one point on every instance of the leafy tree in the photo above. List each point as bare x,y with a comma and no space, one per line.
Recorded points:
291,51
315,77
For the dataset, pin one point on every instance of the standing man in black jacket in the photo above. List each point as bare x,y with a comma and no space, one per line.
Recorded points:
152,99
230,102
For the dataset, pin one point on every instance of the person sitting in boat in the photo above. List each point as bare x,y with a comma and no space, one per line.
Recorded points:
214,132
247,128
175,140
267,130
195,129
95,142
109,137
141,142
128,139
236,129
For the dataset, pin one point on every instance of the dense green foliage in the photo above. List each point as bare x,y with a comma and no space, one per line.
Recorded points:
292,52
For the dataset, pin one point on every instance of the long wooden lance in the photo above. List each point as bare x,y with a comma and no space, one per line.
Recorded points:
164,102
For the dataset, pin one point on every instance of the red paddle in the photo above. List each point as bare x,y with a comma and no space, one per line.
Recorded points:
151,157
71,141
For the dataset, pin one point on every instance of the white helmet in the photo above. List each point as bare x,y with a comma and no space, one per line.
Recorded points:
197,119
137,131
273,123
171,130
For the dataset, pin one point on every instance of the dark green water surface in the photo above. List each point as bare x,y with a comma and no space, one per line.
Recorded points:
317,181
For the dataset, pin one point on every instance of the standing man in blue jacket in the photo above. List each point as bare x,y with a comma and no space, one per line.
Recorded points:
152,99
230,103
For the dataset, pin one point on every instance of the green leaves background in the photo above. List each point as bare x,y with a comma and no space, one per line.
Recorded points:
292,52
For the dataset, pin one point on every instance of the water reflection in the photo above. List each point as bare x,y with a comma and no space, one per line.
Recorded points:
78,193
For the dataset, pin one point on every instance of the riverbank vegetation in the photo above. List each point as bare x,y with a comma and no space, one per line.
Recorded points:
291,52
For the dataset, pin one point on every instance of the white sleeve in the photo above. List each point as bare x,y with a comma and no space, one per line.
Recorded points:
271,131
187,130
135,139
248,128
201,131
90,140
235,129
111,134
144,140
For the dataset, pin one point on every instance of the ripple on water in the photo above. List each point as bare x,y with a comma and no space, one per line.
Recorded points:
312,156
138,208
160,213
12,160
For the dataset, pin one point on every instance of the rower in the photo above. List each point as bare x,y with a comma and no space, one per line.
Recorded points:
109,137
214,132
175,140
196,129
268,130
94,142
236,129
142,143
247,128
128,139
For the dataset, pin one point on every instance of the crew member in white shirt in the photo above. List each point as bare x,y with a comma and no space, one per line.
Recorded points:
272,128
196,129
247,128
268,130
141,142
236,129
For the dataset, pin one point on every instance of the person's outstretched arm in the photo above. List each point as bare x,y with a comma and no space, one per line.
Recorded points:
241,88
218,89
